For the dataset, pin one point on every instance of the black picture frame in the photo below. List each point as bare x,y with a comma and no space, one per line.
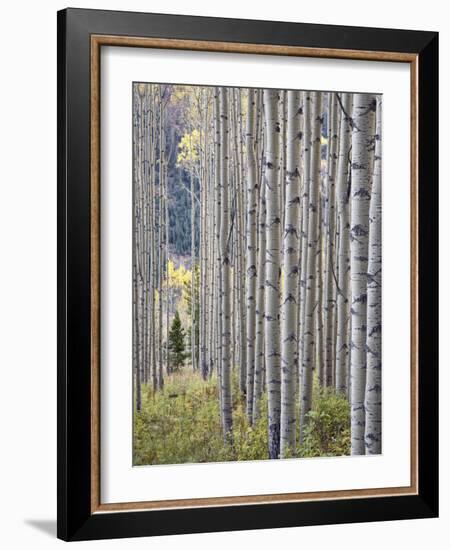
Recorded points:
75,518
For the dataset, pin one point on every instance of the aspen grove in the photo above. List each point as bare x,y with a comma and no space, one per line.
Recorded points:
256,273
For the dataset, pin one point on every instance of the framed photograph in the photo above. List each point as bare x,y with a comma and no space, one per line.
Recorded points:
247,271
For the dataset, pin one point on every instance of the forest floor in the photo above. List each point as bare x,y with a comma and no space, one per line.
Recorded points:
181,424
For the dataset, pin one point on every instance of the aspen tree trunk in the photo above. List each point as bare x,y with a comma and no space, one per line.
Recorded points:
206,250
207,247
272,283
240,238
318,306
343,295
301,111
212,252
362,157
242,244
259,137
148,260
142,295
204,239
142,241
283,156
225,265
142,187
160,285
291,242
251,251
304,222
337,244
308,328
218,213
137,343
201,215
138,395
167,258
148,239
160,238
242,276
152,248
372,402
193,285
330,271
232,248
261,278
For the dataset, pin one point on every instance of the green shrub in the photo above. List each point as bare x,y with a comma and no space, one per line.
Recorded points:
251,442
328,429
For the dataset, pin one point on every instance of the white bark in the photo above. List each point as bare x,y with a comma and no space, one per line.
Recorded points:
362,159
291,242
310,279
160,237
152,269
330,267
272,283
193,276
240,238
217,223
304,217
259,342
225,266
343,194
251,251
372,403
137,279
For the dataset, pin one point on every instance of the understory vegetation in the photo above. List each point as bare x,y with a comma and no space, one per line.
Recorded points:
182,424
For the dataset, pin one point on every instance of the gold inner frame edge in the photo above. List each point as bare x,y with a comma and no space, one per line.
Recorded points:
97,41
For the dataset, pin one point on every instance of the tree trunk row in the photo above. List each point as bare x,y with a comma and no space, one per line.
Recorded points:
285,221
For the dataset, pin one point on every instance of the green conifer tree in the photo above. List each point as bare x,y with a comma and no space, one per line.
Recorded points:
176,343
